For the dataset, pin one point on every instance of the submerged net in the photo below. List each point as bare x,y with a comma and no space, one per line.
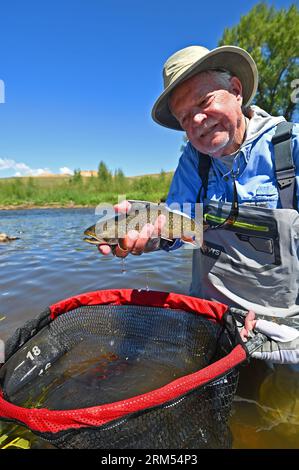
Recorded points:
123,369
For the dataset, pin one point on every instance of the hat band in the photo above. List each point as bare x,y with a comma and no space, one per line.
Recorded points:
170,79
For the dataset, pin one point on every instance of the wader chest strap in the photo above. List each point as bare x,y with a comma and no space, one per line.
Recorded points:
284,165
203,171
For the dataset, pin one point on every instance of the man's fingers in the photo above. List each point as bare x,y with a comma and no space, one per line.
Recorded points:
134,242
125,245
250,321
158,225
120,252
249,325
123,207
104,249
144,235
244,335
130,240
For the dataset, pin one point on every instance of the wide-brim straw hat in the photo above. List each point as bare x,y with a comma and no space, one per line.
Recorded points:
188,62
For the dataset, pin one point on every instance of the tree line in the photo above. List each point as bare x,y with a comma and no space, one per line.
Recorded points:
116,181
106,186
271,36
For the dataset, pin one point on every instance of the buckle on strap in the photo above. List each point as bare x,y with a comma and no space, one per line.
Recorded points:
283,135
285,177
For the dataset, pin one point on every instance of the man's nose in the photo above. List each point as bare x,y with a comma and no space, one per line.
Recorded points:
199,118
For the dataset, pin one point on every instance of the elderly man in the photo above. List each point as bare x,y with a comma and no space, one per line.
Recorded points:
231,163
243,165
245,178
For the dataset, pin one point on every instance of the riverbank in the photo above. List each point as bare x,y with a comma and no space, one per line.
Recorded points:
54,205
74,192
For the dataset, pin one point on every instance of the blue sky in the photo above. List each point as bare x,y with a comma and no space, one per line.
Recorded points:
81,77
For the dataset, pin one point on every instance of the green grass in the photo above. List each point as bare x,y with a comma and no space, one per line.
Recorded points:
82,191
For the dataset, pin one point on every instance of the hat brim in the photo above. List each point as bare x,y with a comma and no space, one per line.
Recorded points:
231,58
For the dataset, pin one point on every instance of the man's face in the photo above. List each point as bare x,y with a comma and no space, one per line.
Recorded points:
210,115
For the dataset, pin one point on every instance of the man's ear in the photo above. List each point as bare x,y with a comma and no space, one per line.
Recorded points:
236,88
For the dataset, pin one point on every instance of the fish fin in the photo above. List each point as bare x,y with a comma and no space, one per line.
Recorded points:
167,239
111,241
190,241
133,201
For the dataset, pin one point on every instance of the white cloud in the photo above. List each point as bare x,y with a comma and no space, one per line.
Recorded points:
32,171
21,168
6,164
41,171
66,171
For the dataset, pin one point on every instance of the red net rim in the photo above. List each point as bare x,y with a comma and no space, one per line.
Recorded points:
44,420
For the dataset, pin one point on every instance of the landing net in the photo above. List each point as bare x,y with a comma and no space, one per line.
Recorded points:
124,369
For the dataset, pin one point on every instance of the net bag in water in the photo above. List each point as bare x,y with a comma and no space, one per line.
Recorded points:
124,369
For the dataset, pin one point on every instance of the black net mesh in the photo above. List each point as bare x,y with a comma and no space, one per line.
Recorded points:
104,353
195,421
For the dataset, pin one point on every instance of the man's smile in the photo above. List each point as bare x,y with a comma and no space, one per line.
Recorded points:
207,131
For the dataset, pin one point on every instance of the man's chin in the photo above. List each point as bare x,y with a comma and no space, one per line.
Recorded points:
216,150
212,151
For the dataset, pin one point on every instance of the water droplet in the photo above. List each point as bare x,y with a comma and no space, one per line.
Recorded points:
123,266
147,281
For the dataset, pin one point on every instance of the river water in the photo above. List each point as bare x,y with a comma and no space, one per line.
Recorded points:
50,262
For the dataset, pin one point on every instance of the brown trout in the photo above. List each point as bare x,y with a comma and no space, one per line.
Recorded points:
177,225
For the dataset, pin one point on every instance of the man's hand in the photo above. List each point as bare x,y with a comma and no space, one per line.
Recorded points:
136,242
282,346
